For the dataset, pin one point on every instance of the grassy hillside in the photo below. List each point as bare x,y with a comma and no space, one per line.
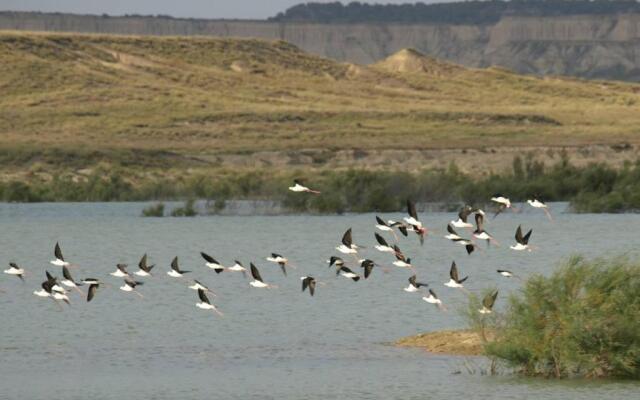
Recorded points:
174,105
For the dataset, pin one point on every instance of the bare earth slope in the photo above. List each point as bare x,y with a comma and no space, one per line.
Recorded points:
72,101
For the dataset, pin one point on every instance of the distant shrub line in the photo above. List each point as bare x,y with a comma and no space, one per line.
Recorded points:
594,188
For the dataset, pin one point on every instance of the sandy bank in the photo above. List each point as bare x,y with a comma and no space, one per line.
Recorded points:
459,342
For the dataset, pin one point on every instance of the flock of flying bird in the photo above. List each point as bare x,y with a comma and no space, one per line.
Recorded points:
58,289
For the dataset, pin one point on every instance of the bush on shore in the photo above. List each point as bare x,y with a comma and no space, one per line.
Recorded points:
582,321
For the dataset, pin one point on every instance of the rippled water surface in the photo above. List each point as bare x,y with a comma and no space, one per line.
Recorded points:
271,344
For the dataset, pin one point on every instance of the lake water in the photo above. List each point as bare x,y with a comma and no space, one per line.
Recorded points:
271,344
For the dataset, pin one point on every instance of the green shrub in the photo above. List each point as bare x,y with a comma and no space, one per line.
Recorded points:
154,210
188,210
581,321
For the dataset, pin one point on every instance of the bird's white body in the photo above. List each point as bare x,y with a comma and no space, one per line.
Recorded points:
411,289
484,310
60,296
432,300
58,288
536,204
279,260
69,283
346,250
298,188
42,293
502,200
482,236
126,288
401,264
237,268
451,236
214,265
520,247
197,286
453,284
461,224
205,306
59,263
118,274
384,228
413,221
174,274
384,249
141,272
349,275
14,271
506,274
258,284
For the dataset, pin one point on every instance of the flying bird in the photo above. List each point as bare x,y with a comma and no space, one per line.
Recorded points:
347,246
144,269
257,281
386,227
120,272
130,286
238,267
503,203
480,232
59,260
348,273
368,267
176,272
401,261
93,288
68,281
15,271
205,304
433,299
280,260
461,222
414,222
488,302
455,281
199,286
300,187
212,263
382,245
539,204
308,282
522,242
414,285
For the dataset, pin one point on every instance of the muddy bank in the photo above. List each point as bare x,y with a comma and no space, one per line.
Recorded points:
458,342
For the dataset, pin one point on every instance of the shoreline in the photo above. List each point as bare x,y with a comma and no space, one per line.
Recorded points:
462,342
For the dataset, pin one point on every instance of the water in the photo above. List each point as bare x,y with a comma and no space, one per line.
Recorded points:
271,344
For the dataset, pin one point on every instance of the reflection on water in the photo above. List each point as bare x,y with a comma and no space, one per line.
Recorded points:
280,343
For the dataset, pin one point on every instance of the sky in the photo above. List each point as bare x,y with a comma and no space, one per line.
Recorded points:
249,9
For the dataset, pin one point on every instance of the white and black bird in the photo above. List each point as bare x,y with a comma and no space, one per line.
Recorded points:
348,273
257,281
401,226
454,279
368,267
59,260
506,273
144,269
522,242
212,263
401,261
488,302
130,286
433,299
55,286
120,272
382,245
454,237
414,285
238,267
68,280
49,291
502,202
347,246
299,187
199,286
175,271
93,288
205,304
385,227
535,202
280,260
308,282
414,222
461,222
15,271
452,234
480,232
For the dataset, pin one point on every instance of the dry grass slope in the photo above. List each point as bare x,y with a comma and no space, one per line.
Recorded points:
188,103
